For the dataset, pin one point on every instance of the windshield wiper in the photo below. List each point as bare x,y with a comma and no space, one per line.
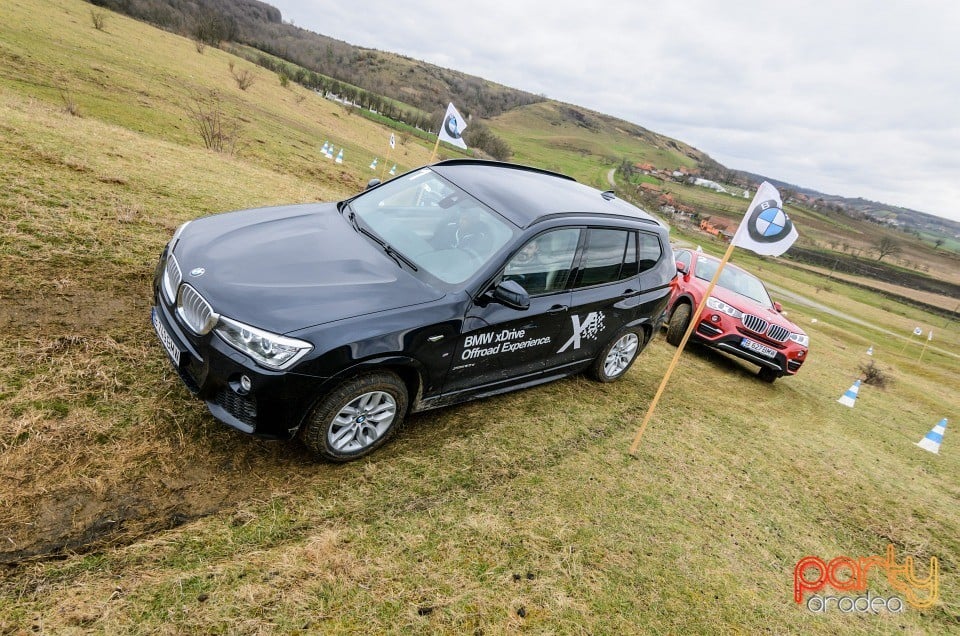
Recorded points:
392,253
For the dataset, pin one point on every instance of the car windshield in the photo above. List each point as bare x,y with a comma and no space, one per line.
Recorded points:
736,280
433,224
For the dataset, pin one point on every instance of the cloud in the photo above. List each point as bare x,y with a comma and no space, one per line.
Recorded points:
853,98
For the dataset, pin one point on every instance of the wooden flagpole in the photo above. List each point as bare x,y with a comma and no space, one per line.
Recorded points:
694,321
435,146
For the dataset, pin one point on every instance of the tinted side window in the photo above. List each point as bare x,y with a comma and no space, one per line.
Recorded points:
603,259
650,251
543,265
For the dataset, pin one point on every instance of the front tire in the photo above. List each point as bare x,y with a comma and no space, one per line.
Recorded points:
679,321
357,417
768,375
618,355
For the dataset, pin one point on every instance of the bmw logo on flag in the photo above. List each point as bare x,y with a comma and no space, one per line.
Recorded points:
768,223
452,127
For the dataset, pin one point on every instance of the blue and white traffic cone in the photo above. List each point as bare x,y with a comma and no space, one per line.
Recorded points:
373,164
850,397
393,170
931,442
870,351
324,150
339,158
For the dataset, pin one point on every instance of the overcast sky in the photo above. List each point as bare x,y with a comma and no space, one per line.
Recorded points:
852,98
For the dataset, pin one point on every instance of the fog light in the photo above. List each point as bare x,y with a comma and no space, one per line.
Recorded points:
800,354
714,318
245,384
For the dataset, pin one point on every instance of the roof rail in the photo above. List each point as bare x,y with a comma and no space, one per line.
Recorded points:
501,164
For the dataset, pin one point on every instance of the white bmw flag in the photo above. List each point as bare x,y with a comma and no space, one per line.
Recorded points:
451,130
766,229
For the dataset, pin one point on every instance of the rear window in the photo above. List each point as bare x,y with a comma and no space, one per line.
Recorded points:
604,257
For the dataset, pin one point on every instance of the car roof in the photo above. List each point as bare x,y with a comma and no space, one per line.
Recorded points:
525,195
711,257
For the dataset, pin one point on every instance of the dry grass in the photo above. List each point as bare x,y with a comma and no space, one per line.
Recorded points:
520,513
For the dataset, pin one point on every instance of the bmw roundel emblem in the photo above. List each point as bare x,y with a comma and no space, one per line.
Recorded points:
453,127
768,223
197,271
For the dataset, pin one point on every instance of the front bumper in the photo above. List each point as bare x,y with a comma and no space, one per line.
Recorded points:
784,360
273,406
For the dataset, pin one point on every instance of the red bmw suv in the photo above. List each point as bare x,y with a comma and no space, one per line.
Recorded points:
739,317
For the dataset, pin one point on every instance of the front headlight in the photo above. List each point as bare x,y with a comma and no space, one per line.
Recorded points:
801,339
269,349
719,305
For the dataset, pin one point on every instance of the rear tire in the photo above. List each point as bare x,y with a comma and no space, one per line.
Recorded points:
616,358
357,417
679,321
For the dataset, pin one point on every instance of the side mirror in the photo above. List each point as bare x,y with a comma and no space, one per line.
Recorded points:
778,307
682,268
512,294
372,183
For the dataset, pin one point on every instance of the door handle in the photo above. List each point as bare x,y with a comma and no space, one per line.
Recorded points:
629,292
556,309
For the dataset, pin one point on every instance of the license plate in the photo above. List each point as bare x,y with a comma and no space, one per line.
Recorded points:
756,347
172,349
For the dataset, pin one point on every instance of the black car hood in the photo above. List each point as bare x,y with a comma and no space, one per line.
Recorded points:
291,267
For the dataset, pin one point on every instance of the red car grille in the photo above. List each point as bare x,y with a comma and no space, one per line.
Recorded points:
754,323
759,325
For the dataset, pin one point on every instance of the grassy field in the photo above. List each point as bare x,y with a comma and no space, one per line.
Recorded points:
128,509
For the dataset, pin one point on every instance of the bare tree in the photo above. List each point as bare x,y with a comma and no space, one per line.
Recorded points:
99,19
218,131
886,246
244,77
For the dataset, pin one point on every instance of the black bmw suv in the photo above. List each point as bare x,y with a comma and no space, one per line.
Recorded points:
458,280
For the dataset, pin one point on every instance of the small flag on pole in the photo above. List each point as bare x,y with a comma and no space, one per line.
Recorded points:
339,158
451,131
766,229
373,165
393,170
932,440
929,338
393,141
